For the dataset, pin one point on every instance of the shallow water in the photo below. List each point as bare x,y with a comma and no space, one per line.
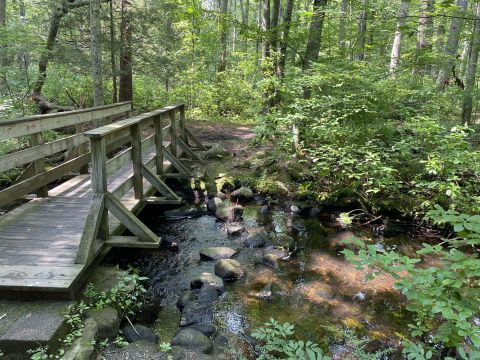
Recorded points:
317,290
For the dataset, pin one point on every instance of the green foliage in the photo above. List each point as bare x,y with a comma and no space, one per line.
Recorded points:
277,343
357,347
444,298
127,296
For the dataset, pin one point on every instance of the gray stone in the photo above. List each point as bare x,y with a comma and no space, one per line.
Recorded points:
197,312
108,322
220,345
229,269
257,238
229,213
216,253
294,209
270,260
284,241
139,333
167,322
106,278
213,204
208,278
264,209
215,152
140,350
192,339
243,193
179,353
208,293
265,293
84,346
205,329
185,298
28,325
298,225
234,229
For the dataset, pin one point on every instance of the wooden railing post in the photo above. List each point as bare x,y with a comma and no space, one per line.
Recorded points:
39,165
173,133
157,122
99,179
136,139
183,134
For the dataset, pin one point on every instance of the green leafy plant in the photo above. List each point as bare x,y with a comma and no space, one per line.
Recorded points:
444,299
357,347
276,343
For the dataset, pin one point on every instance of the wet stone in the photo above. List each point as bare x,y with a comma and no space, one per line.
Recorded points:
107,320
192,339
234,229
138,350
229,269
265,293
185,298
284,241
229,213
244,193
220,345
208,293
208,278
213,204
205,329
197,312
298,225
216,253
139,333
257,238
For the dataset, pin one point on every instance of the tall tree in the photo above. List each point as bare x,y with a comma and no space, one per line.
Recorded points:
315,33
60,10
362,30
265,28
274,28
223,34
467,104
287,19
96,52
113,49
3,52
341,27
397,40
126,76
424,34
450,52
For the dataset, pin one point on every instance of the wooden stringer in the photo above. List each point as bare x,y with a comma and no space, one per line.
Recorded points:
169,196
177,164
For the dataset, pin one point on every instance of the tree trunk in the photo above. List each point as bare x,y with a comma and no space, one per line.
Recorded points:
96,52
113,61
265,28
439,46
452,45
287,19
424,33
223,35
3,50
362,29
397,41
471,70
126,77
341,28
22,56
274,29
315,33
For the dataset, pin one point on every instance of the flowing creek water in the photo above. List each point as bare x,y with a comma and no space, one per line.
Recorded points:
316,289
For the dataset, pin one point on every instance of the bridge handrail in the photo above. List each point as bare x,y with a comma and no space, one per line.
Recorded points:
107,200
36,176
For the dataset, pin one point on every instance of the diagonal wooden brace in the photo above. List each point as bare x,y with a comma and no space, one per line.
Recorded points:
130,221
163,188
187,150
195,140
182,169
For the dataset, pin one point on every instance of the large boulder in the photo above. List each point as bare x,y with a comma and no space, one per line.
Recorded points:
185,298
84,346
197,312
205,329
208,293
107,320
229,213
284,241
192,339
217,253
257,238
138,333
229,269
244,193
208,278
234,229
215,152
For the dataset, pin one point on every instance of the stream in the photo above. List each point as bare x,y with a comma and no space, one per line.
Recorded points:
315,289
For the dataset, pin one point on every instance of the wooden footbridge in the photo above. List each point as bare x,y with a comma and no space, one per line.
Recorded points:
49,244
